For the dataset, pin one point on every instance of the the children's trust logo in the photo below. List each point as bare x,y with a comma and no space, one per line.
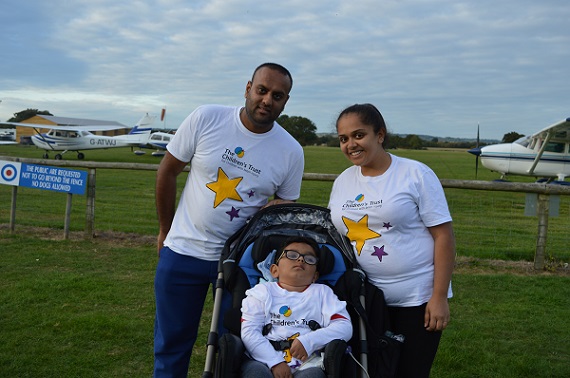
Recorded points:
360,202
239,152
237,159
285,311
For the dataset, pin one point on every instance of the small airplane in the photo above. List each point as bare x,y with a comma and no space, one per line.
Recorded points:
77,138
545,153
7,136
157,140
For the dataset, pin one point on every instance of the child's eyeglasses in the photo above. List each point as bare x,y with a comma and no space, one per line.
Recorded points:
291,254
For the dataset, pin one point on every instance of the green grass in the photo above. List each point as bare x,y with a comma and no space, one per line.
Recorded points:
85,308
506,326
80,308
73,309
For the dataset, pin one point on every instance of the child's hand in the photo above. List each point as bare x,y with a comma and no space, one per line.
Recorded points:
298,350
281,370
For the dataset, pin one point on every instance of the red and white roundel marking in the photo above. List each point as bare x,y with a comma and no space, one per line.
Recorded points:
9,173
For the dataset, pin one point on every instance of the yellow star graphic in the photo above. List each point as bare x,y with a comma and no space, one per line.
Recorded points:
359,232
224,187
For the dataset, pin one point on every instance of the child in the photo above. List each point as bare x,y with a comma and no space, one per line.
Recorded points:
285,322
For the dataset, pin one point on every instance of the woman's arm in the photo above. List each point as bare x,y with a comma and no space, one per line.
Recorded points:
437,310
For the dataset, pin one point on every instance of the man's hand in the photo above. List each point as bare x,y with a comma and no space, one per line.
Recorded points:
277,201
160,242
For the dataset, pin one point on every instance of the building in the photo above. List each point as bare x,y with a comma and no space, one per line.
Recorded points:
48,121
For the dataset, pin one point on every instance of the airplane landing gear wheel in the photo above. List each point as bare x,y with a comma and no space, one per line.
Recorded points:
58,157
46,156
80,155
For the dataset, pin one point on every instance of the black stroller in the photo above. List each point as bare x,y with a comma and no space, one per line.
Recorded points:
237,272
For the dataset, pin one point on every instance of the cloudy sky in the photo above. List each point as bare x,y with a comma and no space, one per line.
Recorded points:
436,67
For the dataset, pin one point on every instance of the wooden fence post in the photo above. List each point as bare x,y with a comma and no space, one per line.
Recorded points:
67,216
13,209
542,208
90,208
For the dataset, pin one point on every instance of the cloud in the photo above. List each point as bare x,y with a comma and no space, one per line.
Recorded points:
437,67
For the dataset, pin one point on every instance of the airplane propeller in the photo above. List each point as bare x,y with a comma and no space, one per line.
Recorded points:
476,151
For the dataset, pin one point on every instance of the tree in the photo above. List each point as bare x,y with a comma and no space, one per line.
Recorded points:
301,128
511,137
412,142
28,113
394,142
330,140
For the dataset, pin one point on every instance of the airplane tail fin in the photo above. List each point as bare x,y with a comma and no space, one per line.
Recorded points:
141,132
146,121
143,126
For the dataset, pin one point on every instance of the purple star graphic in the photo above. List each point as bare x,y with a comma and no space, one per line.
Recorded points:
379,252
233,213
251,193
387,225
297,364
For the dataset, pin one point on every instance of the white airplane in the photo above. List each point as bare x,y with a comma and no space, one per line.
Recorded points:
545,153
7,136
157,140
77,138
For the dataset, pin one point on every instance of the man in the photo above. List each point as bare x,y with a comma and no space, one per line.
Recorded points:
240,158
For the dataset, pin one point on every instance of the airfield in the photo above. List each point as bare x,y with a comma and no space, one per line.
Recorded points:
84,307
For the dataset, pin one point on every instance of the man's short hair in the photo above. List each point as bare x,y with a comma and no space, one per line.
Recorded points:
277,67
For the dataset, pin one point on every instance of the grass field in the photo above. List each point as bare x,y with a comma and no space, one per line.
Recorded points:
85,308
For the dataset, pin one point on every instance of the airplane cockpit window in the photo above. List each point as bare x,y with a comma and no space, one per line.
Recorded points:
160,138
523,141
554,147
561,134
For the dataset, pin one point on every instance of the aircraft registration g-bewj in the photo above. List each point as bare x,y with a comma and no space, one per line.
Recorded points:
78,138
545,154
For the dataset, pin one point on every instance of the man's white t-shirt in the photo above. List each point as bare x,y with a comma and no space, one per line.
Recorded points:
386,218
233,172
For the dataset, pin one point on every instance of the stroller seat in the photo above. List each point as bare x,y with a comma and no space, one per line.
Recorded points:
331,267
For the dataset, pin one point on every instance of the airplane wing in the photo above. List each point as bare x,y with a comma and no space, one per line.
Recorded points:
560,130
67,128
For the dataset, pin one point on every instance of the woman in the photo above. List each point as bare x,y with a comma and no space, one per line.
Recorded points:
395,213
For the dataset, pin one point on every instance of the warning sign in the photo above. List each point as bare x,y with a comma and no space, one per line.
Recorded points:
43,177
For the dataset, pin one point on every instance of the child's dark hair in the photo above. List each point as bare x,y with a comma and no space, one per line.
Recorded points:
298,239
